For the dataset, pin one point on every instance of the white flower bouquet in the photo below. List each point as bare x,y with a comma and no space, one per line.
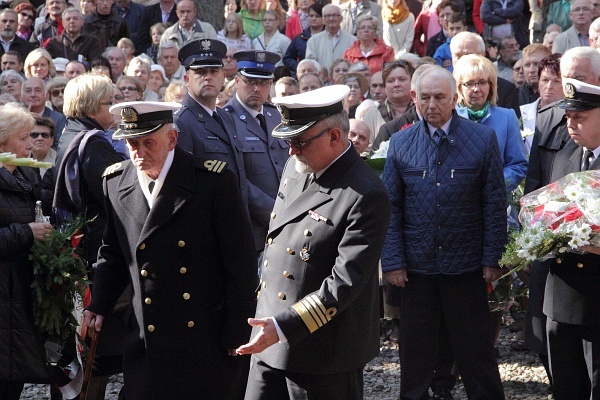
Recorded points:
560,217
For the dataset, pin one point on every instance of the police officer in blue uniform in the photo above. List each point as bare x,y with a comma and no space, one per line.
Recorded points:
204,129
264,156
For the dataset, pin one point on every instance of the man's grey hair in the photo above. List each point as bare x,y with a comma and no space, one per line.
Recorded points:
308,74
72,10
595,26
340,121
417,74
358,67
166,46
437,74
582,53
138,61
306,61
113,48
467,36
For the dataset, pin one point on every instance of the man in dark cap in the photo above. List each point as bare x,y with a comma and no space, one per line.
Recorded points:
572,298
317,319
264,156
205,129
178,231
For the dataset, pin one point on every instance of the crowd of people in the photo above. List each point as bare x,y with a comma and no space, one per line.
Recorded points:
116,95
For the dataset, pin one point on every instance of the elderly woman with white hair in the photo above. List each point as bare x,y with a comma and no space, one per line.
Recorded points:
22,357
10,82
141,67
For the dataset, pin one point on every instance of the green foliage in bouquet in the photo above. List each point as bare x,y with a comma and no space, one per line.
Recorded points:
532,243
59,272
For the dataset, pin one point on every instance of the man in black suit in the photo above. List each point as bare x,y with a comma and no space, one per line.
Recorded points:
164,11
204,129
8,38
572,298
317,320
178,231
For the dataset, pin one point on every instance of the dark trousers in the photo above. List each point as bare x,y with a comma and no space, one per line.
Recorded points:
574,358
266,383
10,390
461,303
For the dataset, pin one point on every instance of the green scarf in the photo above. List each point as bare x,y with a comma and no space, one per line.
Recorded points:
477,116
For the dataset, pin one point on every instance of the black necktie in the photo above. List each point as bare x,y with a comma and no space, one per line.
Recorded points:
587,156
309,179
151,186
218,119
263,123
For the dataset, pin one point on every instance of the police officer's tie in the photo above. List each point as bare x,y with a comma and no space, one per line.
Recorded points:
218,119
587,158
263,123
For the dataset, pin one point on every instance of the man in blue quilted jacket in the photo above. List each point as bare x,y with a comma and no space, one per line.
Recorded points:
446,235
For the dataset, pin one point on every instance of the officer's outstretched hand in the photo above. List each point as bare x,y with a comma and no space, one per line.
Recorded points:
265,338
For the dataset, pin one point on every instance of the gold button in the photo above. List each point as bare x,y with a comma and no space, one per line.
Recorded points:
144,273
270,241
264,285
181,243
273,215
579,265
148,300
558,260
266,263
307,232
286,274
150,328
290,251
142,246
182,270
186,296
281,295
190,324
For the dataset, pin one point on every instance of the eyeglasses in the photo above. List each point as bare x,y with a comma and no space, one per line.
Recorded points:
298,145
129,88
365,28
332,16
107,103
57,92
581,9
479,84
28,16
34,135
256,82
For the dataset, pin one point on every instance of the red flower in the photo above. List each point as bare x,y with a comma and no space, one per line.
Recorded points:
76,238
572,214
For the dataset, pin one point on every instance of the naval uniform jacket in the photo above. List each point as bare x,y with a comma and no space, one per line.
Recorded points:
264,159
192,266
320,268
572,294
201,134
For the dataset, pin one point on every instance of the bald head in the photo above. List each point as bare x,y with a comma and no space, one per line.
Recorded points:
466,43
359,135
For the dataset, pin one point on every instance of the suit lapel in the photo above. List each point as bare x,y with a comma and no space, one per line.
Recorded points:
176,190
131,198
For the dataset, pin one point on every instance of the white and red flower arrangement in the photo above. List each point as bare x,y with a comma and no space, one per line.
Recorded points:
560,217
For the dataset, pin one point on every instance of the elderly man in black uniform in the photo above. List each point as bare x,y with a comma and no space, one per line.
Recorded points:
204,129
572,298
317,319
264,156
178,230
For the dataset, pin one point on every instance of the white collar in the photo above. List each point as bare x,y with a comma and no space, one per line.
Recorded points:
145,180
250,111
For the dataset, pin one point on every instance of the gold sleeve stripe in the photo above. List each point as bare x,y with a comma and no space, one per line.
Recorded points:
308,320
321,306
315,304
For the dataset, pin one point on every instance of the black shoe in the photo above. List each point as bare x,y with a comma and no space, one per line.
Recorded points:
395,334
442,394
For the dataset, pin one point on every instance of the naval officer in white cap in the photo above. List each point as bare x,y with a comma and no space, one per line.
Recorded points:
572,298
317,319
177,229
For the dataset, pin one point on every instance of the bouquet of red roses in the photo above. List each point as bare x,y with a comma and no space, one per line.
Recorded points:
560,217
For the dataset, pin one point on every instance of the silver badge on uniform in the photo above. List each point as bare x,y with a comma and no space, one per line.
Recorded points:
304,254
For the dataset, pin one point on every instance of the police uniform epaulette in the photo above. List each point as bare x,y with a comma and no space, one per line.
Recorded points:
267,104
217,166
113,169
180,110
